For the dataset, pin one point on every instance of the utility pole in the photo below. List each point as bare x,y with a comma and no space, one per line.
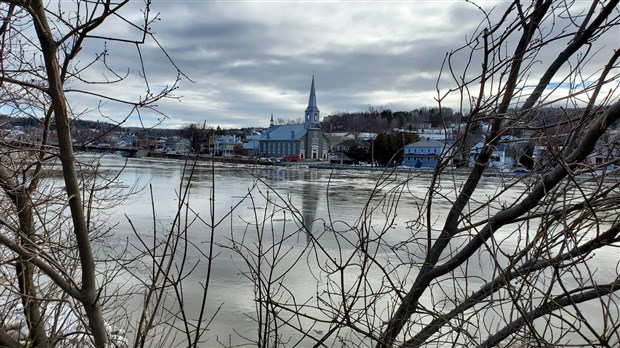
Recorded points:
372,152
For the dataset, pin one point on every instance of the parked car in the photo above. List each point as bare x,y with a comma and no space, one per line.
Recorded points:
291,158
520,171
265,161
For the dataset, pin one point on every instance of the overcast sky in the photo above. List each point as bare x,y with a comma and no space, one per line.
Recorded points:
248,59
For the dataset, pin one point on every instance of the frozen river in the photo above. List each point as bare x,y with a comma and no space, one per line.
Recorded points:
296,220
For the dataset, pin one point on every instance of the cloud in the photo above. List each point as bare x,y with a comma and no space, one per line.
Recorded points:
247,59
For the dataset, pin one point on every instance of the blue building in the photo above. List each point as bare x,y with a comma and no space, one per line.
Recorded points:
423,153
306,140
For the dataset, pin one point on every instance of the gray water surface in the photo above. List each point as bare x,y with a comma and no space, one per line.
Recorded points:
318,217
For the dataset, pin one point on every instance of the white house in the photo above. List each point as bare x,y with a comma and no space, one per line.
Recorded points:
440,134
225,145
498,156
182,146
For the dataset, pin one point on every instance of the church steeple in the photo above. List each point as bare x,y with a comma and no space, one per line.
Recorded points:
312,99
271,121
312,111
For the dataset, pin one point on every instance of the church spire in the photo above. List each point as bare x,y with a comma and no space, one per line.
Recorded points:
271,121
312,99
312,111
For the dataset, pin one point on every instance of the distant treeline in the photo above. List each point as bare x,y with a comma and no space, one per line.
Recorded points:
377,121
27,122
372,121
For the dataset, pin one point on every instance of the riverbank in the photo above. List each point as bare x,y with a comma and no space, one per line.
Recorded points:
304,164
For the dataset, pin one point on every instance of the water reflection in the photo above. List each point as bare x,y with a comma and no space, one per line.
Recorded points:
296,207
309,199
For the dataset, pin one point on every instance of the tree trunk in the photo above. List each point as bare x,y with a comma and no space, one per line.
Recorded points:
59,107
